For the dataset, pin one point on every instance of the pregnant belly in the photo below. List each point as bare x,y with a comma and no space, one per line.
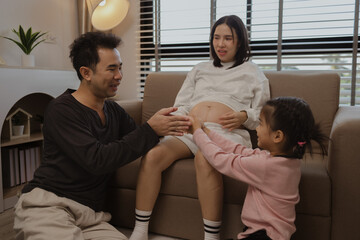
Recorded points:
209,111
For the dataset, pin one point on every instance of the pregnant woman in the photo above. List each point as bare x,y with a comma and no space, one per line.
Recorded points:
227,94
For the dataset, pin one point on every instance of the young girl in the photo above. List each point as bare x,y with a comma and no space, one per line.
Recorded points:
273,174
228,94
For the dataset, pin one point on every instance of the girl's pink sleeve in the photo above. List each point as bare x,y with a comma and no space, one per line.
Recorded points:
249,169
230,146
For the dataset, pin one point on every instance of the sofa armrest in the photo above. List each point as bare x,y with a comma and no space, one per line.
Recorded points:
133,108
344,171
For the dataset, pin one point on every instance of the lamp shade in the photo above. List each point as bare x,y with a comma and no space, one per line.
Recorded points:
92,4
107,16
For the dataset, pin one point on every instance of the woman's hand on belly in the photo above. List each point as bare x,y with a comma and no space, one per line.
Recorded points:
233,120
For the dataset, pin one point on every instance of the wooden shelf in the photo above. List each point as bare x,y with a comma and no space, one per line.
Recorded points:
33,138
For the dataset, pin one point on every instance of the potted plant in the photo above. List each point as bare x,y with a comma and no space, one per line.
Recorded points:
28,41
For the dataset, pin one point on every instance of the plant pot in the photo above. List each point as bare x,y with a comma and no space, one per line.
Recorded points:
27,60
18,130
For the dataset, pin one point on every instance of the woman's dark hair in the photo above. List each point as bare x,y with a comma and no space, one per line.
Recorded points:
294,118
84,50
235,24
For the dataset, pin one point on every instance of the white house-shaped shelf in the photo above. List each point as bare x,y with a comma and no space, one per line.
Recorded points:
19,117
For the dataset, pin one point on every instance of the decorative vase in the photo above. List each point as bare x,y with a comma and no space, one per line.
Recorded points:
27,60
18,130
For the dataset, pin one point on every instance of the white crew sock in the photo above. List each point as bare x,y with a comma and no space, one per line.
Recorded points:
140,231
211,229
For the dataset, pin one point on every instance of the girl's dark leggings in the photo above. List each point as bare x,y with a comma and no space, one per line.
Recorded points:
258,235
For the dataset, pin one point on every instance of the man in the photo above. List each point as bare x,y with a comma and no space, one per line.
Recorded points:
86,138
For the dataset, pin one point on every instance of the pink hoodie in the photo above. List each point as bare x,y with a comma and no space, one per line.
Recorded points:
273,183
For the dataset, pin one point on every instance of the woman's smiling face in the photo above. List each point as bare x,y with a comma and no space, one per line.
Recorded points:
225,43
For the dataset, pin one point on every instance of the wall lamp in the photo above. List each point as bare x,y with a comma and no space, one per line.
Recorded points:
104,14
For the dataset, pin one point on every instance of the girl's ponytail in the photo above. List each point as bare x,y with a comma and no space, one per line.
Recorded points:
294,118
320,138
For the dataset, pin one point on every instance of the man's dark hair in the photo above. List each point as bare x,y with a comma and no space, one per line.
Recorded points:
84,50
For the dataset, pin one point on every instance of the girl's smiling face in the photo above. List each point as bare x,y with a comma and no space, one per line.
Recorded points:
225,43
264,134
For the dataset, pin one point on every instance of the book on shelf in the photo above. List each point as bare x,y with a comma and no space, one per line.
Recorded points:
12,167
28,164
37,156
5,157
22,166
19,164
32,161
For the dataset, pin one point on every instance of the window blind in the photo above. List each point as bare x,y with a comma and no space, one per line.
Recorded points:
311,35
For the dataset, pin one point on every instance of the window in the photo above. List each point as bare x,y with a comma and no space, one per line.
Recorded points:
284,35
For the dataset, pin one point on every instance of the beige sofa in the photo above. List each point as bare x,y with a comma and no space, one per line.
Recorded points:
330,188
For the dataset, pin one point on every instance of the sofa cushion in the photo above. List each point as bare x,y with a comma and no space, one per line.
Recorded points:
315,187
126,176
160,91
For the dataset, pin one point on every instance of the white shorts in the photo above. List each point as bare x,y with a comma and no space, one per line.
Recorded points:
241,136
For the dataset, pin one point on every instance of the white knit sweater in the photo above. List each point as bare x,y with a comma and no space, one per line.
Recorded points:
242,88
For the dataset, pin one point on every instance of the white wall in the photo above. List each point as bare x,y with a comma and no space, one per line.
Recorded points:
59,18
127,30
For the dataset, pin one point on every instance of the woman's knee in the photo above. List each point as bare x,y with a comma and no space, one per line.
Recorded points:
151,158
202,166
156,159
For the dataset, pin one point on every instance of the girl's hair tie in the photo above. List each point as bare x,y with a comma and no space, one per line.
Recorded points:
301,144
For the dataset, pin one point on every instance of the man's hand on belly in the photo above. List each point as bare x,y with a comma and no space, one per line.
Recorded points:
163,123
233,120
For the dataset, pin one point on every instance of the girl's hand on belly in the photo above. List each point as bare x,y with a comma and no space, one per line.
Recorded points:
196,123
233,120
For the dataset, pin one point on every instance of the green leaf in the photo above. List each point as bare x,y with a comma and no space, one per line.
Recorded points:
19,44
23,39
27,39
16,32
36,44
33,38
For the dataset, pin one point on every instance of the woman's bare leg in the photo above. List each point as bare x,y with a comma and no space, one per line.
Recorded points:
210,188
210,193
152,165
149,181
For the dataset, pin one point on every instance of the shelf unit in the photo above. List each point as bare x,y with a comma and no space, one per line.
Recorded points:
34,137
27,83
11,194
